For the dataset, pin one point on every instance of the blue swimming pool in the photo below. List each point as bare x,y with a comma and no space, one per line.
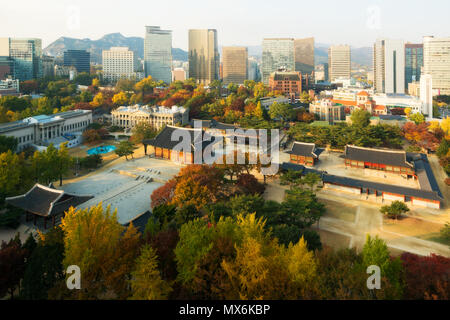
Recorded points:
101,150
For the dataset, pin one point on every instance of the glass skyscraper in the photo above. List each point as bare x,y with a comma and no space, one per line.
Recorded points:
26,54
80,59
413,62
204,58
278,53
158,54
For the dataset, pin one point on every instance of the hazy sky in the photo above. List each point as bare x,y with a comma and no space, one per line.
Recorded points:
238,22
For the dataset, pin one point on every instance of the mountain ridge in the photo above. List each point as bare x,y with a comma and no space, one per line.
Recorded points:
362,56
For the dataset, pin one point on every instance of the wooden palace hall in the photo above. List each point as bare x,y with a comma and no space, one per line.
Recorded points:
394,161
304,153
166,144
46,203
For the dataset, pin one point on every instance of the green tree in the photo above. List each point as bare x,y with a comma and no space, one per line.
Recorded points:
64,162
375,252
360,118
44,267
445,232
143,131
8,143
125,149
146,283
281,111
311,179
418,118
10,173
395,210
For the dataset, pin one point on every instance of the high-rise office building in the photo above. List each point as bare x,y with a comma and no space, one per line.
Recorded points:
120,62
158,53
80,59
235,65
253,69
339,62
26,54
204,58
413,62
389,66
436,62
278,53
6,67
426,94
304,55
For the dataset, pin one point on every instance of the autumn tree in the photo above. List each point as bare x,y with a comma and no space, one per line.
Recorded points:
198,185
12,265
247,183
63,162
120,98
163,194
146,283
95,241
426,277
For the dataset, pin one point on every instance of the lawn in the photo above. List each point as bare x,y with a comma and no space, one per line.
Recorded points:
341,211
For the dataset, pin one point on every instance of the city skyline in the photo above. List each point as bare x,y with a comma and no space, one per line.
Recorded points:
330,23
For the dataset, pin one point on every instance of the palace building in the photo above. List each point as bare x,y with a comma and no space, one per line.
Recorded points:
394,161
304,153
165,143
46,203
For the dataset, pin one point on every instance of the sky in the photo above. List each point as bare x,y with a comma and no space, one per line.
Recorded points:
238,22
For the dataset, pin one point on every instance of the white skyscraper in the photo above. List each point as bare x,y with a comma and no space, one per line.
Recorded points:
120,62
436,62
158,53
389,66
426,94
339,62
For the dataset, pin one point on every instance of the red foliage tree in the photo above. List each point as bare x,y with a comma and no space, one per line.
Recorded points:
12,266
164,243
163,194
426,277
247,183
237,105
420,135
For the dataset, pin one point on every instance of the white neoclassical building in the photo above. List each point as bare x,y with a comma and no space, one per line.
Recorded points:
156,116
40,131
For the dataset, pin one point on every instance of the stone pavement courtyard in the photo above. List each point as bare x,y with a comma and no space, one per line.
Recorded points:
126,186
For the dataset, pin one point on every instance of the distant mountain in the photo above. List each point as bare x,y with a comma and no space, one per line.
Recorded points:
361,56
95,47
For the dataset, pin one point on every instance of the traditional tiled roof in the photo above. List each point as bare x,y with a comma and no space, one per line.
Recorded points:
140,222
45,201
387,188
427,180
304,149
164,138
380,156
